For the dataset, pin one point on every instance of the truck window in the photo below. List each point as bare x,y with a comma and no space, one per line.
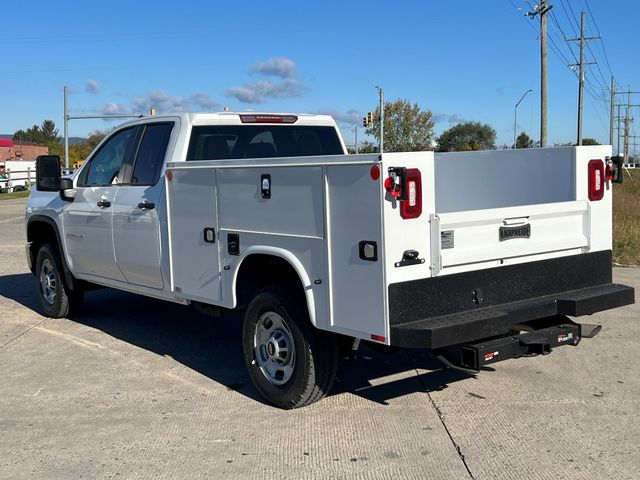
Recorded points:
151,153
105,165
261,141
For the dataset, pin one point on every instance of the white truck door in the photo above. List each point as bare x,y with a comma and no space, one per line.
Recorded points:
136,225
87,221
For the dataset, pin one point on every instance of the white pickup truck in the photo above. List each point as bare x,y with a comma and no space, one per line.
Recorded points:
476,256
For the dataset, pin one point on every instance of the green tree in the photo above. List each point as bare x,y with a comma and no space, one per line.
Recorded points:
368,147
49,132
45,134
467,136
524,141
406,128
590,141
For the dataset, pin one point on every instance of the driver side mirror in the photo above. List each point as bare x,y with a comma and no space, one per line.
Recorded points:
48,173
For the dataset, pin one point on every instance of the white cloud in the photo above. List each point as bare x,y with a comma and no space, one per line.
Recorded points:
112,108
204,101
451,119
262,90
275,66
348,118
163,103
92,86
259,92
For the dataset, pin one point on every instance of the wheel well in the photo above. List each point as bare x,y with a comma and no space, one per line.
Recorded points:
39,233
259,271
44,231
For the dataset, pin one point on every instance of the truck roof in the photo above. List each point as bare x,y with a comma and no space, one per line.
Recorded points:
238,118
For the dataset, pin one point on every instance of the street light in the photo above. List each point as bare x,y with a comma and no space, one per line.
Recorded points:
515,117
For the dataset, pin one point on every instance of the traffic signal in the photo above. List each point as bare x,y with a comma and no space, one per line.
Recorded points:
368,120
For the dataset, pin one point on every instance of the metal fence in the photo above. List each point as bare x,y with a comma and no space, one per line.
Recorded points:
17,180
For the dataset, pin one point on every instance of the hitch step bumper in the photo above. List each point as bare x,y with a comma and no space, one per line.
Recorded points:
474,325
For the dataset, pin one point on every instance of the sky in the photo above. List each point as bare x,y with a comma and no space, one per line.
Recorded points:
463,60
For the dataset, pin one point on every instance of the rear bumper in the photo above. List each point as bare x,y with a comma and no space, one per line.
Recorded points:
474,306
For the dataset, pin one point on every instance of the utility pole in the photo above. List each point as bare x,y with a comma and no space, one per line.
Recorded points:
542,9
627,120
619,129
381,94
582,39
68,117
626,127
356,140
611,113
66,131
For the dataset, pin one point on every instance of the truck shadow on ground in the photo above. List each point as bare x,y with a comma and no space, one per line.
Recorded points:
213,347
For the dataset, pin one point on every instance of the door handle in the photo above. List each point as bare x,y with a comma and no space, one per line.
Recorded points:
146,205
104,203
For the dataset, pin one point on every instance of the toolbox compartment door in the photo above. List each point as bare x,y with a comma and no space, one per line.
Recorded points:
194,234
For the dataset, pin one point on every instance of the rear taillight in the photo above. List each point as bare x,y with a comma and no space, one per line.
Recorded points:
596,180
411,206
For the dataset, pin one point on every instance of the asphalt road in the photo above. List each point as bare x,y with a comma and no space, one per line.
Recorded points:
138,388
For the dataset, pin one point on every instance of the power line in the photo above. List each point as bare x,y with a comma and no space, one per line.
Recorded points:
595,24
572,19
564,36
592,87
569,18
581,83
523,16
573,15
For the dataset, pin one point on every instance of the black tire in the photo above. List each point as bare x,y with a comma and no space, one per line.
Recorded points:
57,299
315,353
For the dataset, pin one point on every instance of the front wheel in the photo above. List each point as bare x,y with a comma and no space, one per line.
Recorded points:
57,299
291,363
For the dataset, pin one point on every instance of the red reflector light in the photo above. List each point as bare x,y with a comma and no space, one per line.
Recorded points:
596,180
169,175
375,172
412,206
268,118
378,338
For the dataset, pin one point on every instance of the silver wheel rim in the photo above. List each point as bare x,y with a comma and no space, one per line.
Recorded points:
48,281
274,349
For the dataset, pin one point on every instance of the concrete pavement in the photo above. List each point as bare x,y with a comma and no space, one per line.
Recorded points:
138,388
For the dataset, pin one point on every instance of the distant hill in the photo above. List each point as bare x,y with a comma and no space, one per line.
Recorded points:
72,140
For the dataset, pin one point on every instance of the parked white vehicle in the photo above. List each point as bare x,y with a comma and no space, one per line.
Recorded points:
5,184
477,256
18,175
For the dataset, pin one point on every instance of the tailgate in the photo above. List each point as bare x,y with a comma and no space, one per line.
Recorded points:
513,206
497,234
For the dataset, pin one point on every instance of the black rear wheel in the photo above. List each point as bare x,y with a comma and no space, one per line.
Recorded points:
291,363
